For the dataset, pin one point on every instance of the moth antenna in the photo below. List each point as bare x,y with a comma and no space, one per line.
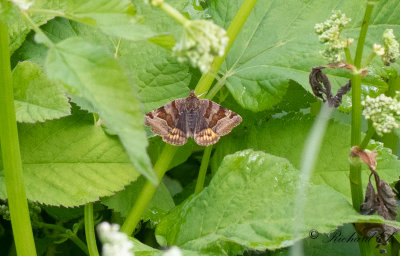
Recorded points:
204,93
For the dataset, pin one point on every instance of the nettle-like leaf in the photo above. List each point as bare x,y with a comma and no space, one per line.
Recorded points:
123,201
249,204
36,98
71,162
100,79
285,137
18,25
271,49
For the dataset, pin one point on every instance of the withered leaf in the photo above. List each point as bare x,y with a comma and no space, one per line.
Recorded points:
321,86
388,206
366,156
370,204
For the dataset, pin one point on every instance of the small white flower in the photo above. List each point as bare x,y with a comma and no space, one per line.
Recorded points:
23,4
329,34
379,49
201,41
173,251
383,111
115,243
391,47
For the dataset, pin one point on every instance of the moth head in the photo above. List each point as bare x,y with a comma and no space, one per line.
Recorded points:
192,102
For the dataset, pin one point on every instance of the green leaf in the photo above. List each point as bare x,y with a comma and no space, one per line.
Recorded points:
140,249
71,162
18,25
249,204
102,81
157,208
285,137
113,17
37,98
271,49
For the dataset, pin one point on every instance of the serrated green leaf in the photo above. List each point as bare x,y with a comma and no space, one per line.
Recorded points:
285,137
36,98
140,249
101,80
71,162
113,17
249,204
124,200
19,26
270,49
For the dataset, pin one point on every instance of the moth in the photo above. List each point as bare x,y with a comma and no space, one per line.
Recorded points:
204,120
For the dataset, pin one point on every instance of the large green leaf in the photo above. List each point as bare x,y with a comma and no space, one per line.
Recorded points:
249,203
124,200
278,43
285,137
36,98
98,77
71,162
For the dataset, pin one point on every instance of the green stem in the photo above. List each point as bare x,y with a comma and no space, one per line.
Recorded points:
174,13
348,55
355,170
148,190
203,170
236,25
36,28
89,230
368,136
68,233
13,174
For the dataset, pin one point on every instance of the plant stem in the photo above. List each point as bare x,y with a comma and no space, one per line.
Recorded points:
148,190
348,55
36,28
67,232
13,174
89,230
355,170
368,136
174,13
203,170
236,25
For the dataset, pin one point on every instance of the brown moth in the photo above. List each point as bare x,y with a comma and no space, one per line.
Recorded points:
204,120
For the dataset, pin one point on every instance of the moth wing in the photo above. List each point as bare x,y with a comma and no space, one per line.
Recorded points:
215,122
167,122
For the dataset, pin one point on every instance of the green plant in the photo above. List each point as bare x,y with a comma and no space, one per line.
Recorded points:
84,74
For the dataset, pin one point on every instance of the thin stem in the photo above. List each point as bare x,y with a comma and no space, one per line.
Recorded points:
369,59
36,28
67,232
174,13
349,60
17,201
236,25
160,167
309,157
203,170
214,90
89,230
368,136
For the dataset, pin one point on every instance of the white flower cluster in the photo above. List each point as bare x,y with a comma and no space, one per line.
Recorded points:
379,49
391,47
201,41
383,111
23,4
173,251
329,34
115,243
